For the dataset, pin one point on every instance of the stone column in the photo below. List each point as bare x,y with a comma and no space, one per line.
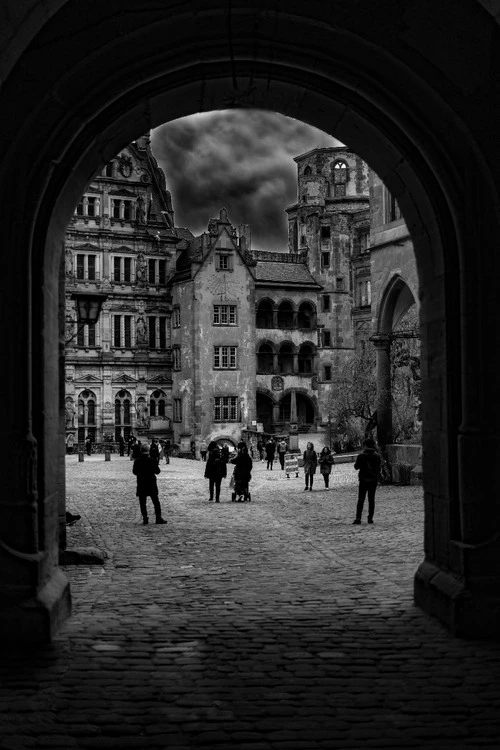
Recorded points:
276,413
382,344
293,442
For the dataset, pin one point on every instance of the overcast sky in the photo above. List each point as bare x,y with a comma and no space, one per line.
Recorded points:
241,160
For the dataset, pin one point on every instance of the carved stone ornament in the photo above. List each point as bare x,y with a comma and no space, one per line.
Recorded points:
125,165
277,383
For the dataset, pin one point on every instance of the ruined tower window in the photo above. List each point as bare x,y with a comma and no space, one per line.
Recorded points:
224,315
176,317
307,170
340,178
226,409
325,260
225,357
326,302
340,283
325,233
327,372
327,338
177,410
176,353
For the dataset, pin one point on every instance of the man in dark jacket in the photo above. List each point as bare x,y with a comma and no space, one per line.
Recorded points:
215,471
154,450
368,464
145,468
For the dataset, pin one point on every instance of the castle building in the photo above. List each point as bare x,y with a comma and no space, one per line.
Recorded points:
121,243
203,337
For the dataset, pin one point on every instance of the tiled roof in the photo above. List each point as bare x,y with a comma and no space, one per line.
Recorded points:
283,273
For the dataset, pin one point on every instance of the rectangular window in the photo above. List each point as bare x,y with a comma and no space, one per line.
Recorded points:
325,233
127,321
91,334
363,243
152,332
340,283
226,409
225,357
327,338
224,315
80,339
91,267
325,260
224,262
177,317
80,267
115,208
162,271
326,302
127,210
177,410
176,352
79,208
117,269
127,270
91,206
117,330
328,372
162,331
152,271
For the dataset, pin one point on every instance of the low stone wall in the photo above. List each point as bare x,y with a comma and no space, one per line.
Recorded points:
405,462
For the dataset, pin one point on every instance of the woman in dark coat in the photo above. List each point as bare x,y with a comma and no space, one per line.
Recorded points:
310,465
325,464
242,473
215,471
270,451
146,468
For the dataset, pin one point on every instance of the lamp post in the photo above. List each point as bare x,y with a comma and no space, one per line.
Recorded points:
88,309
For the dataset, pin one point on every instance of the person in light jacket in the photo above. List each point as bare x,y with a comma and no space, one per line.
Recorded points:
310,465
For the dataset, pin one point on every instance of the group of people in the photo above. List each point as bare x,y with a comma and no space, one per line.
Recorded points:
368,464
267,450
216,471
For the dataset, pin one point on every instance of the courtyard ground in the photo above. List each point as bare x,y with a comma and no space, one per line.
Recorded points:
270,625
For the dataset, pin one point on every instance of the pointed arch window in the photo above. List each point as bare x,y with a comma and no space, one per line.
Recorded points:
340,178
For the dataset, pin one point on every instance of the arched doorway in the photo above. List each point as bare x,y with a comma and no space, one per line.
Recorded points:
306,411
265,411
341,71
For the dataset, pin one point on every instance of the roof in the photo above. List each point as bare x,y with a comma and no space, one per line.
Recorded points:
283,273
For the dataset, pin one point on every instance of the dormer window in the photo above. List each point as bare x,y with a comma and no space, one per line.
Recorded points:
224,262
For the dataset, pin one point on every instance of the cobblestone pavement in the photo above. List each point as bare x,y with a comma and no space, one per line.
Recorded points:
269,625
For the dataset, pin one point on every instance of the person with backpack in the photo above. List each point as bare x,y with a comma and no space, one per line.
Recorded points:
368,464
215,471
282,449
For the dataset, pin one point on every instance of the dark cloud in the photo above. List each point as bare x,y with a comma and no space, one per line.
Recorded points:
241,160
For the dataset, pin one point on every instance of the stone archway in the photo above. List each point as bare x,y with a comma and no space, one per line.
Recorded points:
418,112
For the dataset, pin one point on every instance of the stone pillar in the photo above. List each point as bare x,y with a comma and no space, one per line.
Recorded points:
293,441
276,413
382,344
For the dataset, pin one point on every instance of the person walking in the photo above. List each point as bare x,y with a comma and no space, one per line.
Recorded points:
282,449
270,451
368,464
215,471
261,449
154,451
167,447
242,474
70,441
88,445
203,450
310,464
325,464
121,445
136,450
146,468
130,444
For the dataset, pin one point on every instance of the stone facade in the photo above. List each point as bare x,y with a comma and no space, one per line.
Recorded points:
121,242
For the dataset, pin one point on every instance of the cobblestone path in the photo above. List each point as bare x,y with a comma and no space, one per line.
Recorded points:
270,625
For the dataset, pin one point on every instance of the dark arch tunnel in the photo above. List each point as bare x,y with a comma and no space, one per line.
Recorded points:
91,86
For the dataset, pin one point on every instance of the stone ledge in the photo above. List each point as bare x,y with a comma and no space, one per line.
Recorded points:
83,556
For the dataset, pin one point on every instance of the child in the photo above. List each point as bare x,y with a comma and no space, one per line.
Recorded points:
145,468
368,464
